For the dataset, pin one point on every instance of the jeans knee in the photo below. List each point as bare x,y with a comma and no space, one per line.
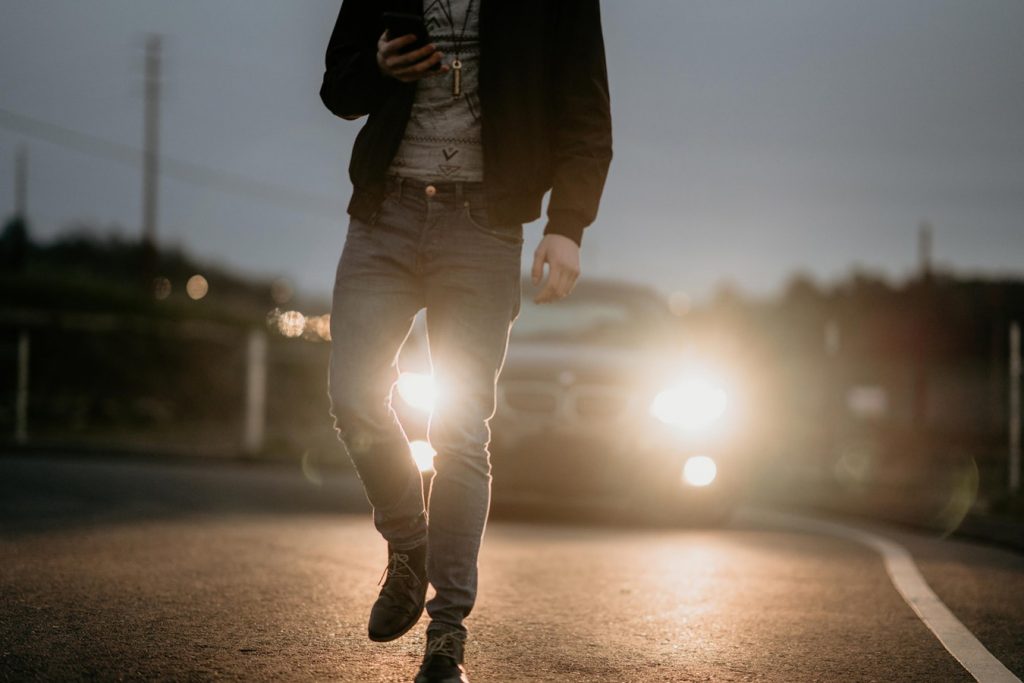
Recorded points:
462,444
360,415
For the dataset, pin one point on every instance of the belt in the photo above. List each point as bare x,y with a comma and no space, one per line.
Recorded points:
433,190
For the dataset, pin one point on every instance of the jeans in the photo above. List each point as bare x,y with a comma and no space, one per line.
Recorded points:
438,251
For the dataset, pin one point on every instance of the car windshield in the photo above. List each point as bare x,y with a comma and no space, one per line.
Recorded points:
624,321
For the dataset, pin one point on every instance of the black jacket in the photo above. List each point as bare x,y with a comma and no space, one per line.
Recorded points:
546,118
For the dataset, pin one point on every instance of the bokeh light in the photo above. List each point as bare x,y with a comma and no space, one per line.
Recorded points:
423,453
291,323
197,287
679,303
295,324
318,327
281,291
161,288
856,465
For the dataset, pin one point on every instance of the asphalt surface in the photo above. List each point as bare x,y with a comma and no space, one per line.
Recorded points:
111,570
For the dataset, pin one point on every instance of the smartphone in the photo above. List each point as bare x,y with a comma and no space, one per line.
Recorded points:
400,24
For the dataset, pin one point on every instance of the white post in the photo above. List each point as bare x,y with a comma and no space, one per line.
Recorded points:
21,398
1015,374
833,338
255,391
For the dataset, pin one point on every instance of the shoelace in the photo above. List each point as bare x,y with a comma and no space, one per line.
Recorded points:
398,568
448,643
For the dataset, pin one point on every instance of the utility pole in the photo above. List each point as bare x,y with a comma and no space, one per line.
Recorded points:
925,314
924,250
1015,417
21,183
16,249
151,156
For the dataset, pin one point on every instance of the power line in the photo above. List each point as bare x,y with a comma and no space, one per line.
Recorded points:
185,171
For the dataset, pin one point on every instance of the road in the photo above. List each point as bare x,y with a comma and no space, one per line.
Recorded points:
114,570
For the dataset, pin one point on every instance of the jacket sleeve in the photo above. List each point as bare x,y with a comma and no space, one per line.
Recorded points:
353,85
582,136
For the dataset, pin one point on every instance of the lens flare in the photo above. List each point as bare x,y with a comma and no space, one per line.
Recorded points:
310,470
423,453
700,470
418,390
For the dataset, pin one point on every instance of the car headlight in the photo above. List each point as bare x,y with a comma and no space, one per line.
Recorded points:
418,390
700,470
693,405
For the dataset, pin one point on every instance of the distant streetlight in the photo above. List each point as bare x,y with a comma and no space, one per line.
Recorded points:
197,287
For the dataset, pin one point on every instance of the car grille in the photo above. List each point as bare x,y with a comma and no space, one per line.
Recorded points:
601,407
531,401
588,403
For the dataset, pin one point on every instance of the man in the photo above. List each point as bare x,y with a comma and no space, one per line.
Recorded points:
464,137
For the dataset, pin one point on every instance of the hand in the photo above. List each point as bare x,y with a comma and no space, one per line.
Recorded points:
562,255
408,67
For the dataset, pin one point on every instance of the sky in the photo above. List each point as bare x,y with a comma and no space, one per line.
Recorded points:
753,138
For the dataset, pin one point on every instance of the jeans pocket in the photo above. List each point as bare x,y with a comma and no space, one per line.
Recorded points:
386,204
476,216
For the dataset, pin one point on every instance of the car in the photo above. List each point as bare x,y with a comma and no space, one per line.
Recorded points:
602,406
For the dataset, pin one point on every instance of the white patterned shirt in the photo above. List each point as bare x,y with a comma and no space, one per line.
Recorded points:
442,139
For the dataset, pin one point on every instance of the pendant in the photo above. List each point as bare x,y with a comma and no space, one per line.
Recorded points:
456,78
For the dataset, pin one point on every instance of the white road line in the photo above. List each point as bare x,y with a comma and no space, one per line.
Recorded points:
908,581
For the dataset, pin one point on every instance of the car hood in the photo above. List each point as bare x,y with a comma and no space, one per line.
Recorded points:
570,363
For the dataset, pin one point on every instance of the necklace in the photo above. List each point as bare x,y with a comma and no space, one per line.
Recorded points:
457,43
